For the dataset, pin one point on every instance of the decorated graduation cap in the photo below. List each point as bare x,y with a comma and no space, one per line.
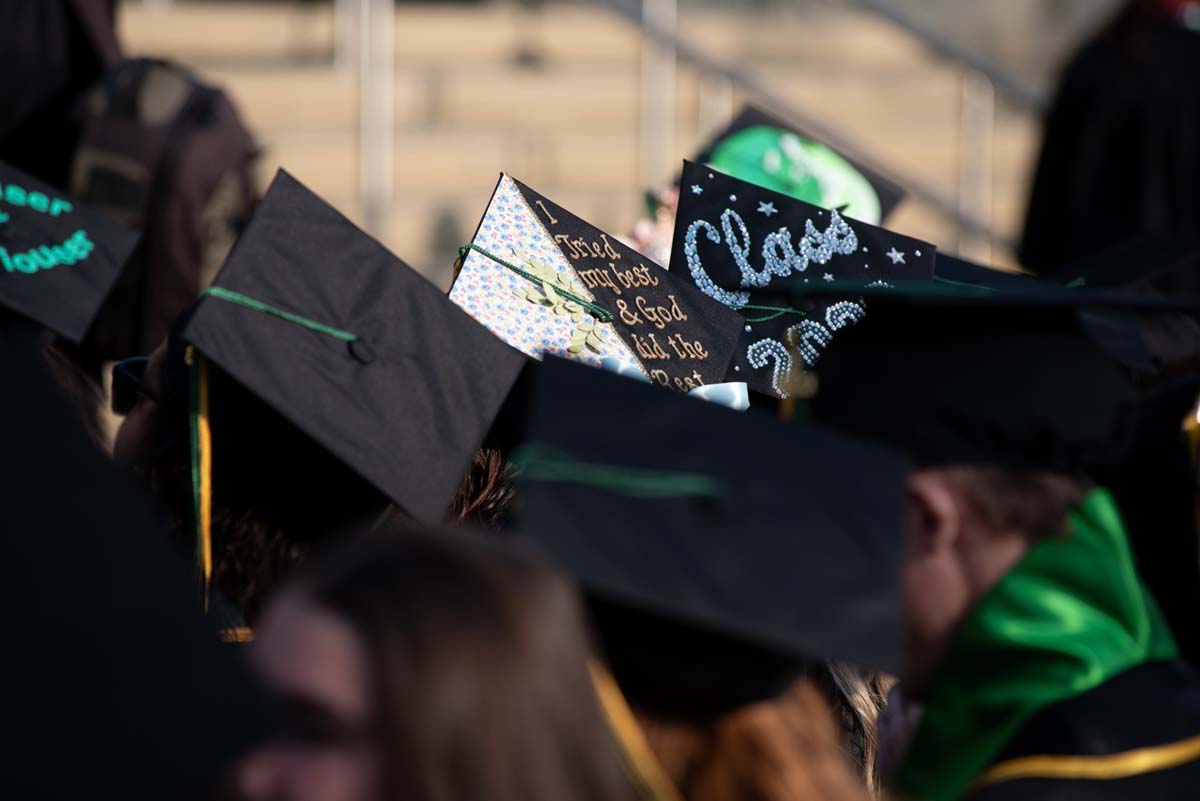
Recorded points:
765,150
747,247
1006,377
352,347
546,282
58,260
718,550
112,671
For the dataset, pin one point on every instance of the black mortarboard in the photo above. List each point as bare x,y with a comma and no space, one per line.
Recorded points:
1005,377
765,150
954,271
1155,484
748,247
1154,480
115,688
58,260
1139,262
354,348
1155,268
718,550
1120,331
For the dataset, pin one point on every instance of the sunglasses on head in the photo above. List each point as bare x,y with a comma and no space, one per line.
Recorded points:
129,384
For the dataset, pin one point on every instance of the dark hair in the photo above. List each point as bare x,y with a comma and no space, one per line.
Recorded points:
78,386
486,491
478,656
275,490
1034,502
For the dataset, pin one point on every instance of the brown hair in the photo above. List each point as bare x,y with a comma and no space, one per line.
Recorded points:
1034,502
486,491
783,749
478,656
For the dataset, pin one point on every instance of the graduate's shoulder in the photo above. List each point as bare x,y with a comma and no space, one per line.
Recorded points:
1135,736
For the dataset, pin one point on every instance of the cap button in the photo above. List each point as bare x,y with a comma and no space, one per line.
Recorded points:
362,351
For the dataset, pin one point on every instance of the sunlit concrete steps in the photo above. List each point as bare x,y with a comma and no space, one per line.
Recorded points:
466,110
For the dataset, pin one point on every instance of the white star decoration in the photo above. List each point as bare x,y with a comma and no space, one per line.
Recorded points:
828,277
697,189
896,256
766,208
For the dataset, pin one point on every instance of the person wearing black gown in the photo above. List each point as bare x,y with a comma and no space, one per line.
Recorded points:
1121,154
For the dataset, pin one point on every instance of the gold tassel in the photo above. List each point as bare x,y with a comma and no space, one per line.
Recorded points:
1191,428
653,784
202,470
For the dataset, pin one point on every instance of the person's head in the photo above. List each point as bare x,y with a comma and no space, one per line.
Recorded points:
719,570
786,747
691,688
1005,401
432,667
968,527
276,492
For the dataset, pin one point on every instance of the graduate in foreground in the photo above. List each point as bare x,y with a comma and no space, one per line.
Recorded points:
1041,665
449,666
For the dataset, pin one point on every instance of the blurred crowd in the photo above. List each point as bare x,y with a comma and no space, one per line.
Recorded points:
758,500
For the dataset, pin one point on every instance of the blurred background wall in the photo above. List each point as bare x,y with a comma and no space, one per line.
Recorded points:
571,98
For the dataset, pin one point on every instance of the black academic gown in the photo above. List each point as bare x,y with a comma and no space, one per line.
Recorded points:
52,51
1136,736
1121,154
1155,488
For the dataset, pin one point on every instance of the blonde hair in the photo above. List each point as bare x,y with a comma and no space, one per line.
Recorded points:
860,697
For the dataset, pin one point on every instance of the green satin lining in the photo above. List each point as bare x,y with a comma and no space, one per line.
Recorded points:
1071,615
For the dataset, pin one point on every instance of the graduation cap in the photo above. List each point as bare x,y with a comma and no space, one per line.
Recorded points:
116,687
1156,268
1155,485
954,271
58,260
546,282
1146,465
718,550
354,348
765,150
1008,377
748,247
1131,332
